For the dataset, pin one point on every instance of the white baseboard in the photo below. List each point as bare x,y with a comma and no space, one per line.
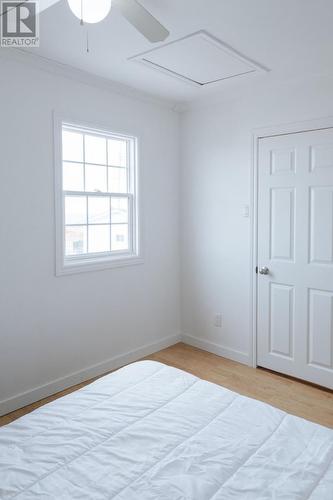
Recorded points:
225,352
60,384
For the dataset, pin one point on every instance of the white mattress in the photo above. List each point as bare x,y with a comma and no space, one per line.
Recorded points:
149,431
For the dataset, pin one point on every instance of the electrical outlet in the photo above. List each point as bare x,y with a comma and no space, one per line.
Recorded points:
218,320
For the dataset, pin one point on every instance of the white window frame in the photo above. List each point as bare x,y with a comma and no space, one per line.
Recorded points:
99,261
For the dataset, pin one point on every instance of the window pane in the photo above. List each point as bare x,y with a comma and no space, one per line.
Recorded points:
76,240
119,210
95,149
76,210
117,153
96,178
117,180
119,237
72,146
72,176
99,238
98,210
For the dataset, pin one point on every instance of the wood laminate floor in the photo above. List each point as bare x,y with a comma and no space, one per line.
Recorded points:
292,396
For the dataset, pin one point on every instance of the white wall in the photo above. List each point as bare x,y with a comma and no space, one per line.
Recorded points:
84,324
53,327
216,184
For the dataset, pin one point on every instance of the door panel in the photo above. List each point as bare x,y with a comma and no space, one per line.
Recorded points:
281,320
321,156
321,209
295,241
283,161
320,328
282,233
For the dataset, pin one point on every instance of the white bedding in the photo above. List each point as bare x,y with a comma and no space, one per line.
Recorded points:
149,431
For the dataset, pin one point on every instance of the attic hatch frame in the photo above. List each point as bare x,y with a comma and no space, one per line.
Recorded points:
143,59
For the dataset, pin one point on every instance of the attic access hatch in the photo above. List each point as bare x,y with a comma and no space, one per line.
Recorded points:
199,58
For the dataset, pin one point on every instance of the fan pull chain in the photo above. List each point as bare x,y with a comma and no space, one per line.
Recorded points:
87,34
88,48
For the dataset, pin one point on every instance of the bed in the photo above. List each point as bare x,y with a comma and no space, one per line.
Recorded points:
149,431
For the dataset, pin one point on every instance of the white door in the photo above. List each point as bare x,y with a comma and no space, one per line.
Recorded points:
295,244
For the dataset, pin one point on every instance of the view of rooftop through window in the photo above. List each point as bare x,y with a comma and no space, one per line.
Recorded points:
98,199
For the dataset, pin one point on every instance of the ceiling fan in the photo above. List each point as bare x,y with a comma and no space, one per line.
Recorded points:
93,11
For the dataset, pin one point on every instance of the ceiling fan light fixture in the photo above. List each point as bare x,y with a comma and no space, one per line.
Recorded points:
90,11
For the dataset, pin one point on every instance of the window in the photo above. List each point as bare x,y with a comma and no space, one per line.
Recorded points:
96,182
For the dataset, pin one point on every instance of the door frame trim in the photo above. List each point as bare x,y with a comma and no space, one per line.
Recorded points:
257,134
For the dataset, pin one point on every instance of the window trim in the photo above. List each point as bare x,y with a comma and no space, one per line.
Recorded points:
95,262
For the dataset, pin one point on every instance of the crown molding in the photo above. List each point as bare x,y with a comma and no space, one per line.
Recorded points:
84,77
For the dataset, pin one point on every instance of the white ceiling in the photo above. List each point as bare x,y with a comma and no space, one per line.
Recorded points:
293,38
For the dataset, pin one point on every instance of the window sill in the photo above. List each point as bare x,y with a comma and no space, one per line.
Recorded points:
89,265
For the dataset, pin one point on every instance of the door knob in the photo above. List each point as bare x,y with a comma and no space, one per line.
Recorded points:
264,270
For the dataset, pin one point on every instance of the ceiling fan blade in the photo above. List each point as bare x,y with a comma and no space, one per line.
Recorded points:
142,20
45,4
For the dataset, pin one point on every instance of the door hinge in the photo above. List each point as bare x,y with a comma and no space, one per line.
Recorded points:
257,270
